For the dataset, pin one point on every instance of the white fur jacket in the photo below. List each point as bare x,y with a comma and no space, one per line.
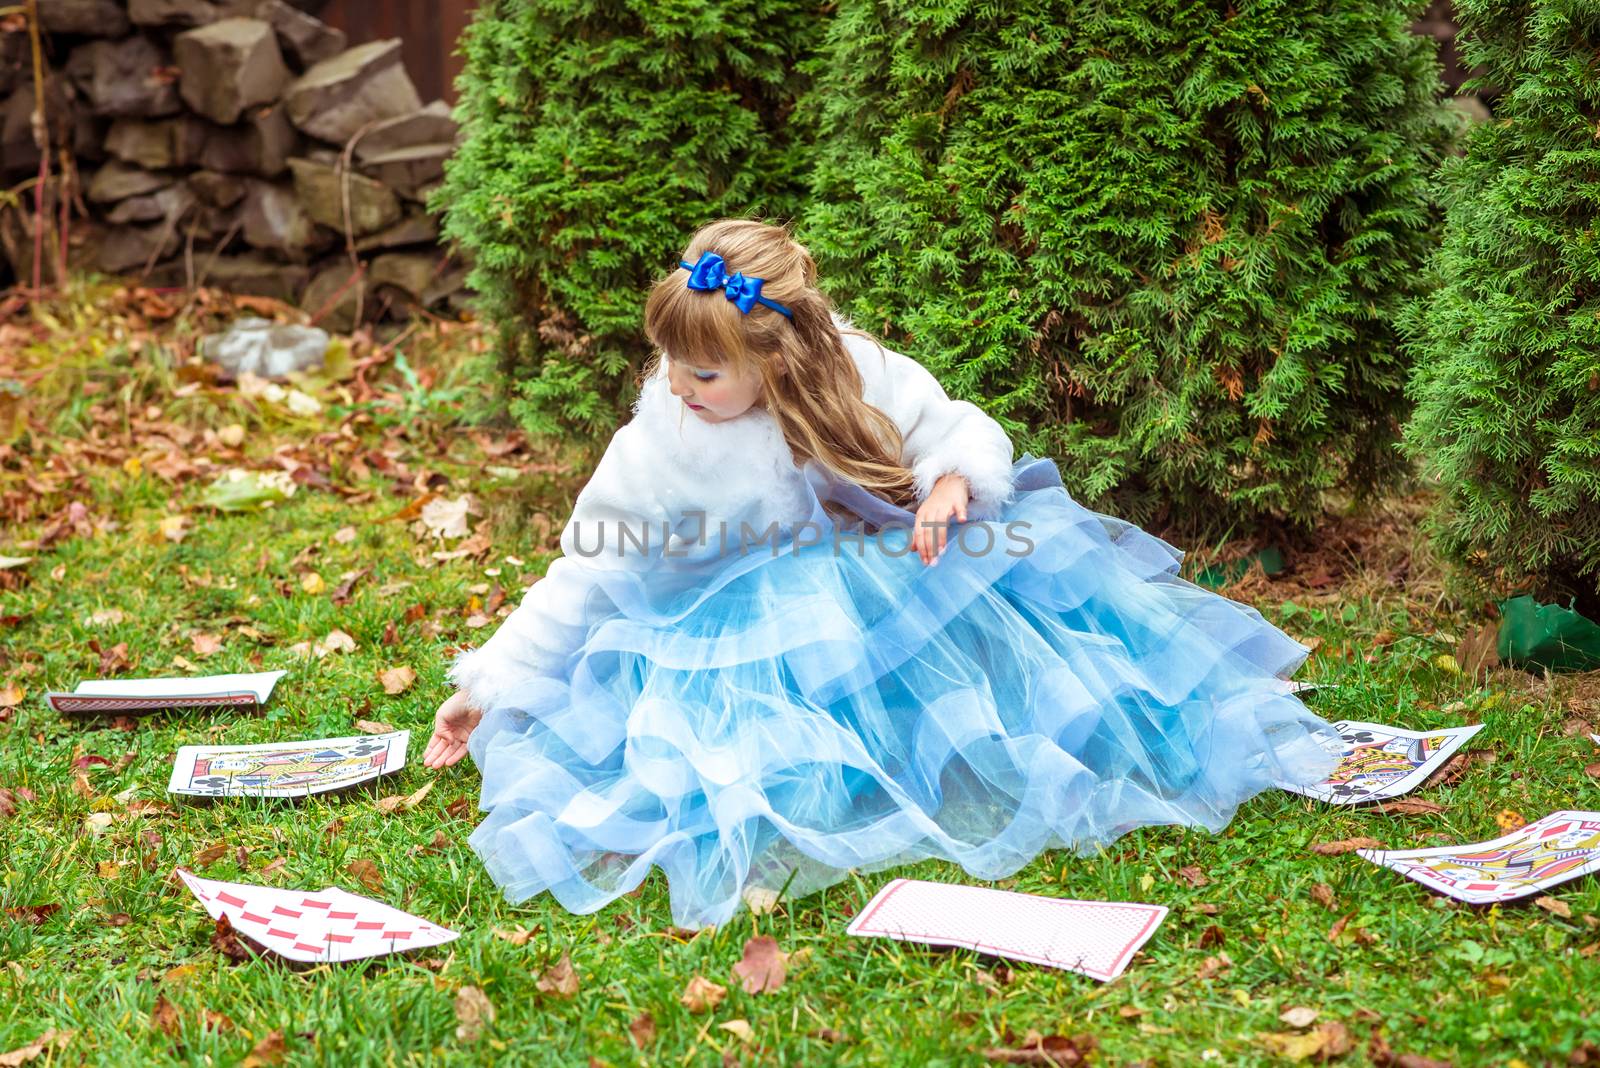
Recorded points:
665,462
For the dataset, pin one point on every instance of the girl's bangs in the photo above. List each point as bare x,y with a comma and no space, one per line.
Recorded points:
695,328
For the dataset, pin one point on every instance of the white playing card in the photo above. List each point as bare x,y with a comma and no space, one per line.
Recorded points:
1095,938
1552,850
143,695
317,926
1381,761
286,769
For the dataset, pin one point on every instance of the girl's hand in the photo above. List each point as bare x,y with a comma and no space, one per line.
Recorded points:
949,495
452,725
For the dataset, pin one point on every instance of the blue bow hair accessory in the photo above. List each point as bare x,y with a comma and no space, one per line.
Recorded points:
709,272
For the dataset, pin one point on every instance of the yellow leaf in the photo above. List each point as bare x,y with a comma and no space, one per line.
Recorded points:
1146,882
132,465
312,583
11,696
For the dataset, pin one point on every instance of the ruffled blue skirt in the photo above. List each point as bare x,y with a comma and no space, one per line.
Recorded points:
777,718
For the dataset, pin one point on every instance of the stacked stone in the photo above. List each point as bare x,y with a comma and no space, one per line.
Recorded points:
222,126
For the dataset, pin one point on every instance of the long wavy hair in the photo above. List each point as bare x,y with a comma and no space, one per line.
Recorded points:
817,402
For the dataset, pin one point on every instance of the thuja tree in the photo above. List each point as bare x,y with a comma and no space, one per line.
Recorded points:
1507,381
1161,240
598,135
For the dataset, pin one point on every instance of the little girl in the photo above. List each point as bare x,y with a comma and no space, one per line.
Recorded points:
767,657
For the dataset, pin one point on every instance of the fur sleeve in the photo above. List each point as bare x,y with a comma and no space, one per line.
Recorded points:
940,435
616,523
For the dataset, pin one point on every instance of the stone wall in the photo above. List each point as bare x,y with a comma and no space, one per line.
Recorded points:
235,143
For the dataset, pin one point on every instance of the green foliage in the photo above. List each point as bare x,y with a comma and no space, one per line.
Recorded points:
599,135
1507,381
1161,241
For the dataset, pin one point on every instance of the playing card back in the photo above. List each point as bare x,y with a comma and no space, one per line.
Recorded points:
318,926
1094,938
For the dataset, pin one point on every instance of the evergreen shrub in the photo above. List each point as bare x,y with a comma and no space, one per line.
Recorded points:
1163,241
599,135
1507,349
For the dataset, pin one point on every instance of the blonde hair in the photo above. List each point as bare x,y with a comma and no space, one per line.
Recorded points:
817,403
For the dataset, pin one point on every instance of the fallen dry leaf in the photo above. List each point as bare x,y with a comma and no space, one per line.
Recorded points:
1214,966
24,1054
225,940
642,1030
1346,845
205,644
368,873
442,518
518,936
403,802
1407,806
34,914
560,979
269,1050
759,900
211,854
164,1017
740,1029
702,995
344,535
1193,876
11,696
473,1013
1554,905
1300,1016
763,967
1322,894
397,680
1385,1057
372,726
1054,1050
312,583
1509,819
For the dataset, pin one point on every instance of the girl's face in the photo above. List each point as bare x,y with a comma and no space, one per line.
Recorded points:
713,394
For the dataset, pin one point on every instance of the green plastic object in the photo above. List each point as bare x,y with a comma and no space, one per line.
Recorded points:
1547,636
1219,575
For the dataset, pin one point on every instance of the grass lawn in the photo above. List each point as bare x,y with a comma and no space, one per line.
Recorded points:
106,452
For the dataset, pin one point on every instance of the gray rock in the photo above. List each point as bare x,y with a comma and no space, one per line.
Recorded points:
158,144
262,347
445,286
261,144
174,12
305,39
129,248
275,220
327,295
258,275
321,190
410,272
16,64
166,205
409,171
229,66
417,228
339,96
86,18
218,190
131,77
18,154
425,126
118,181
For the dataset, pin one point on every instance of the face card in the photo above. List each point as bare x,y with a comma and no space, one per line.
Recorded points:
1562,846
286,769
316,927
248,689
1094,938
1381,762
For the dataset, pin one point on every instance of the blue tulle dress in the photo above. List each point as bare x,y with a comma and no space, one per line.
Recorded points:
775,719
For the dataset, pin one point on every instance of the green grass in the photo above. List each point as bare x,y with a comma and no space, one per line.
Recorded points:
1443,980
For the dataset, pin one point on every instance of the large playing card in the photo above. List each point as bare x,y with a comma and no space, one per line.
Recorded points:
321,926
1562,846
1096,938
286,769
1380,762
146,695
